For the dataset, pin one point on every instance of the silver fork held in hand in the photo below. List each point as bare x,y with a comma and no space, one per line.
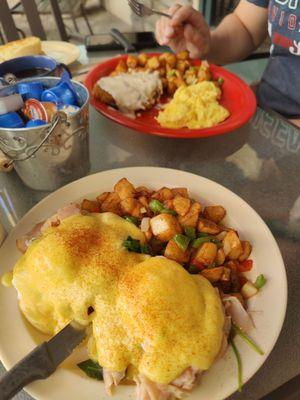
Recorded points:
143,11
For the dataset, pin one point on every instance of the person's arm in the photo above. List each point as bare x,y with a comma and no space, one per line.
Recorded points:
234,39
239,34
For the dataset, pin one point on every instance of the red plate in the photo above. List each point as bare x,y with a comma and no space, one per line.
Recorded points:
237,97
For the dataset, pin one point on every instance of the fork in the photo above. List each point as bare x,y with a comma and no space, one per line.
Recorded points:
143,11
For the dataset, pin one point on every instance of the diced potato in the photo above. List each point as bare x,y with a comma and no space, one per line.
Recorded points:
163,194
144,201
111,203
179,82
180,191
143,191
232,265
248,290
153,63
121,67
170,60
125,189
131,206
142,59
90,206
165,226
100,199
191,217
213,274
220,257
214,213
207,226
164,82
232,245
206,253
169,204
132,61
247,248
171,88
173,252
181,205
183,55
162,72
182,65
148,235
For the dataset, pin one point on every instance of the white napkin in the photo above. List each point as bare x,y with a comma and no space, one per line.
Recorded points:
4,163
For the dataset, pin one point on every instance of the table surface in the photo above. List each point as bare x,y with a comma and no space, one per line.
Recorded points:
260,162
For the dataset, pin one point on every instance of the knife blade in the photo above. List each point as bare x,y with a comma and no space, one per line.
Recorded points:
42,361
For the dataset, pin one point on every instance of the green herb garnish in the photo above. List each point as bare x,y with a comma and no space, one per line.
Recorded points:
92,369
158,208
247,339
190,232
135,246
133,220
260,281
239,365
182,241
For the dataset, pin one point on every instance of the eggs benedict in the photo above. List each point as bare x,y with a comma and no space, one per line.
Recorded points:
152,321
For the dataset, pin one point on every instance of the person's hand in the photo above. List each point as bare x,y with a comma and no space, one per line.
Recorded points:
187,30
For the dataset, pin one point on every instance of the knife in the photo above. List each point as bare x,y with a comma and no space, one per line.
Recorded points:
42,361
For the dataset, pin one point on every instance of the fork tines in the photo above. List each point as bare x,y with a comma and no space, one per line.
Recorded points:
135,6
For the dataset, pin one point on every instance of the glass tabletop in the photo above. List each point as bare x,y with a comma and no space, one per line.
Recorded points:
259,162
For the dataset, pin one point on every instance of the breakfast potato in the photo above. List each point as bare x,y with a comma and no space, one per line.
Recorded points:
182,66
171,88
247,248
100,199
131,206
206,253
171,60
181,205
143,191
165,226
190,75
173,252
121,67
191,217
153,63
164,82
124,189
220,257
180,191
142,59
213,274
183,55
111,203
90,206
179,82
162,72
132,61
207,226
163,194
204,73
232,245
214,213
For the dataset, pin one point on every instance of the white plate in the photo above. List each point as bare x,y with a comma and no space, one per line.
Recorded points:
62,52
267,308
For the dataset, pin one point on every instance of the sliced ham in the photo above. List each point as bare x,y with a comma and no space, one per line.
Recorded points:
64,212
112,378
240,317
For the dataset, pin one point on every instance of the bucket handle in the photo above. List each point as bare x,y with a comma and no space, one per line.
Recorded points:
59,117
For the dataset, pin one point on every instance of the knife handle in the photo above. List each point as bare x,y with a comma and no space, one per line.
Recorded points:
36,365
122,40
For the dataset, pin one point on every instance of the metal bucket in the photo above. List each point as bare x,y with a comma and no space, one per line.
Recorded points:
49,156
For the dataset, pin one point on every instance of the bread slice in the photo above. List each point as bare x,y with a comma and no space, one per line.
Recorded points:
24,47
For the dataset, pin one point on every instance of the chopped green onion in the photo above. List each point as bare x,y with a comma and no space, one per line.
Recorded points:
182,241
197,242
239,365
145,249
133,220
156,206
220,81
190,232
260,281
132,244
247,339
92,369
168,211
192,269
203,234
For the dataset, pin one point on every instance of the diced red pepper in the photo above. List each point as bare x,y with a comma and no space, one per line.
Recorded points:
197,264
245,266
242,280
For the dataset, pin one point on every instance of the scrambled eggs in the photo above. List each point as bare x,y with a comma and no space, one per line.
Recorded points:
150,314
195,107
